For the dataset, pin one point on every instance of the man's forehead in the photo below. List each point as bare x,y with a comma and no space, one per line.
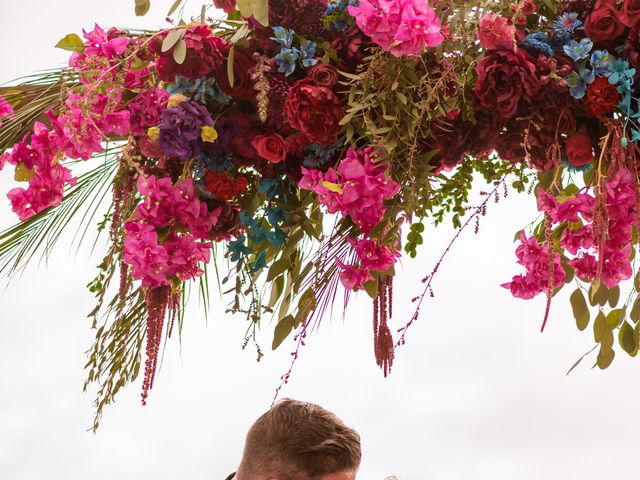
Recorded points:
341,476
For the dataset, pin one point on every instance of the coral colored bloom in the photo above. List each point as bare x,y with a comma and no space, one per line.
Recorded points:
495,32
402,27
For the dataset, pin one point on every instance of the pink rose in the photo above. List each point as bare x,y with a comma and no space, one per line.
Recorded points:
495,32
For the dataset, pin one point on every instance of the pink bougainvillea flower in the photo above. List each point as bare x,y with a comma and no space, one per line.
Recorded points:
535,259
373,256
353,278
495,32
402,27
585,266
572,241
6,110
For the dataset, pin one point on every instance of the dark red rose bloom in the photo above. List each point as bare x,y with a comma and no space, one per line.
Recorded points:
535,147
228,221
632,47
235,130
314,111
223,186
603,24
324,75
601,98
296,144
504,78
303,16
272,147
528,7
227,5
242,84
630,13
351,47
579,148
204,55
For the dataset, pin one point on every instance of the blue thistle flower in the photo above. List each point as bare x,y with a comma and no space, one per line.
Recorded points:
200,90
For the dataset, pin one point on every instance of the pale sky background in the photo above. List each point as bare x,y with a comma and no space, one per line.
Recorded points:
477,392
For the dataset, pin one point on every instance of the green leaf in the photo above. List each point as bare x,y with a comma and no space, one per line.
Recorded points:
371,287
142,7
600,327
605,357
259,9
627,340
172,38
71,43
635,310
580,309
230,59
278,268
180,52
282,331
614,296
174,7
615,317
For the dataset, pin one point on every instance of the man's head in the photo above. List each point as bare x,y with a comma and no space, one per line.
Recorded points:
300,441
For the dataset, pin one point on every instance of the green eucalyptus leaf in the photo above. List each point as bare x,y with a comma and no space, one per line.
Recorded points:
282,331
600,327
172,38
580,309
180,52
142,7
627,340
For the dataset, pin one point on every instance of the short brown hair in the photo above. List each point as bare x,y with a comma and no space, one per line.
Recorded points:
299,441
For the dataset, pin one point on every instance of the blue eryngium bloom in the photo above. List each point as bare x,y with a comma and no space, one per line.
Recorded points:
578,51
579,80
307,52
286,60
601,61
284,36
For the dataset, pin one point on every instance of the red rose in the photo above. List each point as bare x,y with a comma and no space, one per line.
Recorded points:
150,148
223,186
324,75
504,78
242,84
314,111
601,98
204,55
579,148
227,5
630,14
351,47
603,23
272,147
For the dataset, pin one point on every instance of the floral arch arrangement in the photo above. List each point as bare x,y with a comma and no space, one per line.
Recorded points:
249,132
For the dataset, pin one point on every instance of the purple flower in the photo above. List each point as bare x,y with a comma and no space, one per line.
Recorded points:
180,130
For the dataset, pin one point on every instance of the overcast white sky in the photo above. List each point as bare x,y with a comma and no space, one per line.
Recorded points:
477,392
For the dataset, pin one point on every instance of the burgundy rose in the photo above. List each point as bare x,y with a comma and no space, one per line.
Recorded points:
351,47
314,111
204,55
579,148
603,23
632,47
630,13
150,148
601,98
227,5
303,16
272,147
504,79
324,75
242,84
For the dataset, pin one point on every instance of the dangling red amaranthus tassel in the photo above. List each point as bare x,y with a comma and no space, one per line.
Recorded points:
382,338
157,301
